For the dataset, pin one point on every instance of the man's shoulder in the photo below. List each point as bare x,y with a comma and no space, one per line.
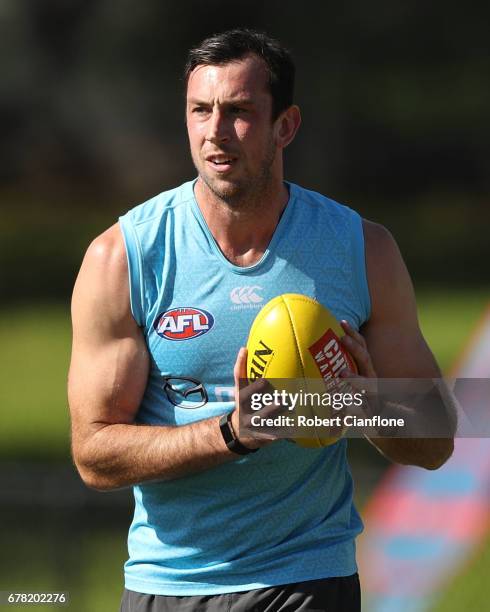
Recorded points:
381,247
159,204
103,277
107,250
320,200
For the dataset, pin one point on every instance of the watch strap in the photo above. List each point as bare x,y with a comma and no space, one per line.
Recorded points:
230,438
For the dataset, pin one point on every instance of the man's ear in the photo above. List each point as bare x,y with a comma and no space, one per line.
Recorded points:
287,125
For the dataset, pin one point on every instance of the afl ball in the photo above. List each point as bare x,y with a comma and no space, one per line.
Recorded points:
295,337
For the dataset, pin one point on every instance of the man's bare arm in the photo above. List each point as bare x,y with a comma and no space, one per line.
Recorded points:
108,375
394,343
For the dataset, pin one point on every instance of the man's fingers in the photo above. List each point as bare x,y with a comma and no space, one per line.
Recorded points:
360,383
367,386
360,355
356,345
352,333
240,369
355,381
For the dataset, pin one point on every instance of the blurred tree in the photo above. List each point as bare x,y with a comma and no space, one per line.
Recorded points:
395,100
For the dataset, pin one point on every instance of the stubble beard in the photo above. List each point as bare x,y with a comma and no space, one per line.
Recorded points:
247,193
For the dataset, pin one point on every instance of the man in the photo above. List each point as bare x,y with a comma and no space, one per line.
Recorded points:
164,301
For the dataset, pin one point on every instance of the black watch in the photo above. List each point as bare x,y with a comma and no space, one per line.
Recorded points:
230,438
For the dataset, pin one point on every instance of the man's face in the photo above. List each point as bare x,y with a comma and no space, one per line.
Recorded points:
229,122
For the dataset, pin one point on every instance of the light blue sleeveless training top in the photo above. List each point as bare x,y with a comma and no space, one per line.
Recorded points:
283,514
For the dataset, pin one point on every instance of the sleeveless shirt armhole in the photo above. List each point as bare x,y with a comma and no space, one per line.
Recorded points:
359,265
135,269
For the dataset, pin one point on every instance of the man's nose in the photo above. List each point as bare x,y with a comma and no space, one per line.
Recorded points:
218,130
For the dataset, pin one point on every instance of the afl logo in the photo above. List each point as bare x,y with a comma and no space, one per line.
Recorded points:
183,323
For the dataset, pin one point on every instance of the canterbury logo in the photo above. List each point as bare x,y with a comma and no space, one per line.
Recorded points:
246,295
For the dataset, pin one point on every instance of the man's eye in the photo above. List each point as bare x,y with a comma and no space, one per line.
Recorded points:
236,110
199,110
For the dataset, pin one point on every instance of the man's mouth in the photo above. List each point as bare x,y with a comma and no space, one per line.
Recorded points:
221,162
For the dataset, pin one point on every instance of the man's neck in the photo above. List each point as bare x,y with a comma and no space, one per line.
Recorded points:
243,233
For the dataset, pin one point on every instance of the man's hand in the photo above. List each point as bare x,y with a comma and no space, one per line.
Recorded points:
243,394
391,345
357,347
418,402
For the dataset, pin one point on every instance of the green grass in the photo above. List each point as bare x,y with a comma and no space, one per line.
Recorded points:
89,566
36,341
103,578
447,319
469,589
35,345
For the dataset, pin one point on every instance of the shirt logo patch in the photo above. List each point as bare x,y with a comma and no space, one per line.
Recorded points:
329,355
183,323
246,295
246,298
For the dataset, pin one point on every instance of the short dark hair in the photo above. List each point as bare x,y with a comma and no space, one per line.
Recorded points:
233,45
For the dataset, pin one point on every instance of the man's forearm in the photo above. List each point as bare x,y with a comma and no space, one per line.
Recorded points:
429,453
434,413
119,455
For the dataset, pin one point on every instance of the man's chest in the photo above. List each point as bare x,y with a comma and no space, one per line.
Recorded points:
197,330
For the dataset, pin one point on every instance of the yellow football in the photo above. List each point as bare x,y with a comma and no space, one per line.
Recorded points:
295,337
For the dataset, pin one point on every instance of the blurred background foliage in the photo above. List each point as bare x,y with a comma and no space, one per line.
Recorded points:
395,98
394,95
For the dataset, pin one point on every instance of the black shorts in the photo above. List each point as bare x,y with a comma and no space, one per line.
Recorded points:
326,595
